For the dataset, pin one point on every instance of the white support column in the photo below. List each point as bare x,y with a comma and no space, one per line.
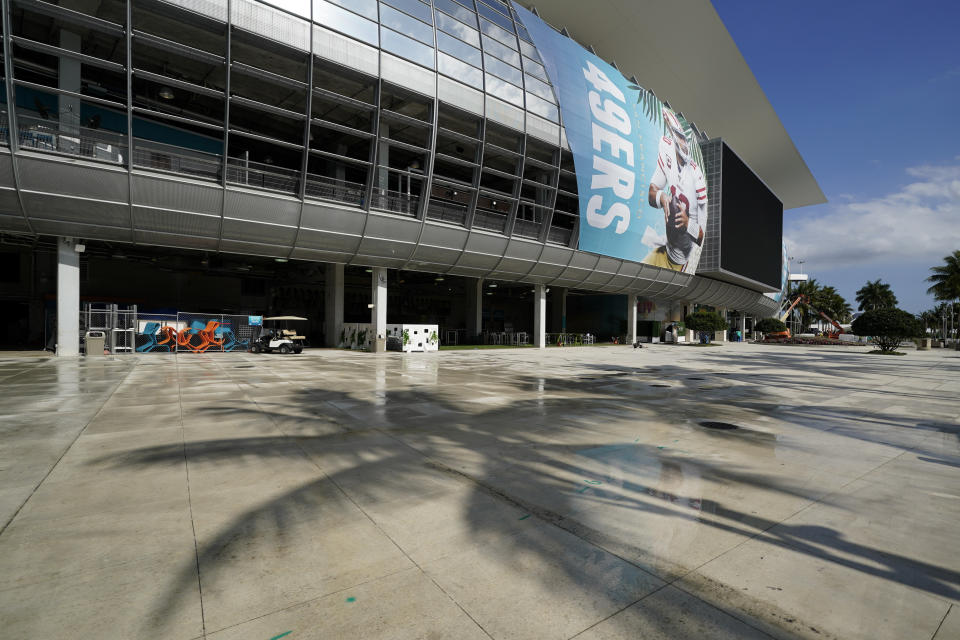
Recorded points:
474,295
743,325
68,298
540,316
723,334
333,303
378,314
631,318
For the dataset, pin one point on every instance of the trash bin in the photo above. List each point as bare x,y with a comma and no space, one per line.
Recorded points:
379,345
94,341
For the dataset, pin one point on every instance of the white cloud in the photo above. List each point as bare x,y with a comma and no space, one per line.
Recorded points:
920,221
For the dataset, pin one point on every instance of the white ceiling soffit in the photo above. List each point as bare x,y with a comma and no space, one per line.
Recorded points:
683,52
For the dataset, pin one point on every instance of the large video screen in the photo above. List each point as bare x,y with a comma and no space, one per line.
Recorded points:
642,190
751,224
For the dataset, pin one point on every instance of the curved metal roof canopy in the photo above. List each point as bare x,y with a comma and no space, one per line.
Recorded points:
696,66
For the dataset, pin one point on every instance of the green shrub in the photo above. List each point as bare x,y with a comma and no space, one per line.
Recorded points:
888,328
705,323
770,325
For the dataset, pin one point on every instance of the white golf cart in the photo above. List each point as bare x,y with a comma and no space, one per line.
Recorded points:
276,334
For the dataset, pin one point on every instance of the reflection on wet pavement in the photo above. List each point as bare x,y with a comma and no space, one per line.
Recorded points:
748,491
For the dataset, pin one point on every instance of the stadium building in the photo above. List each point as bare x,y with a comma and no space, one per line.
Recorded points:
484,166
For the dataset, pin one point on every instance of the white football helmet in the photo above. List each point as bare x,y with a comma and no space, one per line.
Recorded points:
677,133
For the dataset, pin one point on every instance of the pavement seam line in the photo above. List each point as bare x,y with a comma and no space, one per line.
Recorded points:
759,535
65,451
193,526
372,521
942,620
496,494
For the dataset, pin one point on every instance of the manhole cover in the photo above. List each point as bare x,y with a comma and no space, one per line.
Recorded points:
696,378
659,385
723,426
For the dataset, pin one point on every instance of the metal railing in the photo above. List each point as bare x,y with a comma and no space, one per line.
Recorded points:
559,235
331,189
37,134
262,176
489,220
396,202
195,164
527,229
446,211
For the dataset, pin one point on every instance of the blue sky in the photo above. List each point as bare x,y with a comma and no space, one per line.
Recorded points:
870,94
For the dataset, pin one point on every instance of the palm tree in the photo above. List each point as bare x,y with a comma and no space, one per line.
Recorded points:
811,289
946,278
876,295
930,320
834,305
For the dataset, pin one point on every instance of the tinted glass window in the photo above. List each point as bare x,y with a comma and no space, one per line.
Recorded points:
503,70
364,7
406,25
457,10
541,89
497,33
529,50
413,7
458,49
460,71
406,47
504,53
458,29
535,69
504,90
541,107
495,16
342,20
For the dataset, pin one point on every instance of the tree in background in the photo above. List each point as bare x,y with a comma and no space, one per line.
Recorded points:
769,325
887,327
705,323
833,304
876,295
943,319
823,298
946,278
810,289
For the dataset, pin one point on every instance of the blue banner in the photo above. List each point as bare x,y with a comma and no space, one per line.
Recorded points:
642,191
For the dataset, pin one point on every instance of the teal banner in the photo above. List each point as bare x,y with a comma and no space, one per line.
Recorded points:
642,190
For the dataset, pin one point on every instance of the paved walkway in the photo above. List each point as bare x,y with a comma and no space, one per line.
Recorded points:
475,494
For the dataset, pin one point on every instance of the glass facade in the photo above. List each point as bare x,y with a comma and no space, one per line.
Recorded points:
293,97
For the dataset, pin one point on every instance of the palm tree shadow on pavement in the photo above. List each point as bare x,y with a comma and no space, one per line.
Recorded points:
540,474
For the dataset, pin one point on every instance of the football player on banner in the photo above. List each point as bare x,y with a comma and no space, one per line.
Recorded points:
679,188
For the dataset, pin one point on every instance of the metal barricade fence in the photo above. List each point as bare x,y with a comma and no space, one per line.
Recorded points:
127,331
157,333
212,333
118,322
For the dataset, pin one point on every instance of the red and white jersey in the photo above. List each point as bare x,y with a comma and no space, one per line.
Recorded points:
685,182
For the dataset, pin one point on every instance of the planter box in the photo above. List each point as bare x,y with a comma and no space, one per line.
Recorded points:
418,336
351,334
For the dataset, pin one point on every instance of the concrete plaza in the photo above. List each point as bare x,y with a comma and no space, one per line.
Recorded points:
520,493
